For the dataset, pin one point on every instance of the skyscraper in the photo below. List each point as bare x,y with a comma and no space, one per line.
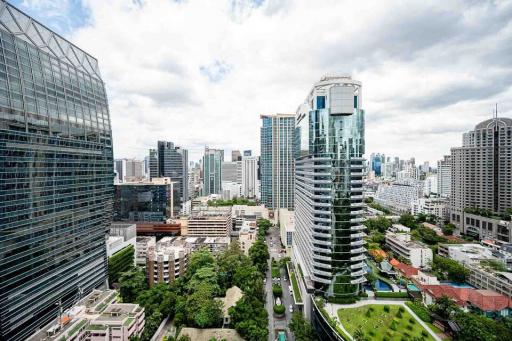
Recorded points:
232,171
56,179
236,156
276,162
444,176
212,171
173,163
249,176
328,239
482,170
153,163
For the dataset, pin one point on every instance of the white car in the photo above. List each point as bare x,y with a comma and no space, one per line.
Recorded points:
291,308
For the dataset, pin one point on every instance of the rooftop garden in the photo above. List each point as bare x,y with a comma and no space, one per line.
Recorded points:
382,322
128,321
96,327
295,286
489,214
76,328
492,264
235,201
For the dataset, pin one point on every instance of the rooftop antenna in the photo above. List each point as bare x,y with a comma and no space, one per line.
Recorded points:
496,110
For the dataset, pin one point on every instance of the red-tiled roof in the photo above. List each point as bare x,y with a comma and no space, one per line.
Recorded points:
406,270
485,300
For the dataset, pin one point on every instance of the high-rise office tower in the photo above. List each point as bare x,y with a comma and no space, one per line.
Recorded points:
328,239
129,169
56,178
173,163
444,176
153,163
482,170
249,176
236,156
276,161
232,171
212,171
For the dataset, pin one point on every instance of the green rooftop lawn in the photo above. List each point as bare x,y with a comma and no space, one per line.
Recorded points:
128,321
295,286
380,325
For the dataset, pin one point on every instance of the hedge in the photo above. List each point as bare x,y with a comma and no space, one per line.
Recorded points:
389,294
421,311
342,300
277,290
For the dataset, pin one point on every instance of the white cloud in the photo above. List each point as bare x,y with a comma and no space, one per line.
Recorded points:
200,72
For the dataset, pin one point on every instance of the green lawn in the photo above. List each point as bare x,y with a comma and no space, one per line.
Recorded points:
382,325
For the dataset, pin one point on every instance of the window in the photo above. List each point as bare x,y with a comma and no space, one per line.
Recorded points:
320,102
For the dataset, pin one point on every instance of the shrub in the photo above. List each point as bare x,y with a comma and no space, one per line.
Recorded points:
399,314
277,290
371,309
412,321
342,300
279,309
368,313
386,308
401,309
424,333
409,327
371,332
390,294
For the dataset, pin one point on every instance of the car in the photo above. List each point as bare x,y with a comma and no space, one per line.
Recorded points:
290,288
265,280
291,308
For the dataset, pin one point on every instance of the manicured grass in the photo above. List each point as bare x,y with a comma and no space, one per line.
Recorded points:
275,272
380,324
295,286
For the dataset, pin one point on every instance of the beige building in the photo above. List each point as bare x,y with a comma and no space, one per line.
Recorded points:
213,222
144,244
247,236
484,278
166,262
286,229
417,254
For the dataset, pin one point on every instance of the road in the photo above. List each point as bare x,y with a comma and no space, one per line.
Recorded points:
287,300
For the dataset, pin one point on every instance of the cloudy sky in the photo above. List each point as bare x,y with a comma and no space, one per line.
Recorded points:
200,72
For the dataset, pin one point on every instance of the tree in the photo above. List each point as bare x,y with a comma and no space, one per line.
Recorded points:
444,307
131,283
301,329
199,259
259,255
250,319
479,328
229,262
380,224
152,321
250,280
408,220
455,271
448,229
359,334
206,274
202,309
159,297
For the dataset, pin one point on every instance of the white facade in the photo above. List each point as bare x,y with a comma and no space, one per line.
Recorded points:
444,174
399,195
250,176
231,190
286,228
144,245
430,185
466,254
434,206
247,235
417,254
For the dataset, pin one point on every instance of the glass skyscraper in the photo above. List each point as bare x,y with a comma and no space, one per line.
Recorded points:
56,174
328,239
212,171
173,163
276,162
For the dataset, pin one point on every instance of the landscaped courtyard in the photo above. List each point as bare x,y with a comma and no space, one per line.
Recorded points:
382,322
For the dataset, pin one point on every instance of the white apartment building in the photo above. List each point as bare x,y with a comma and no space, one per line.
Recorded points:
419,255
434,206
250,177
121,236
212,222
484,278
166,262
444,176
430,185
247,235
410,172
232,171
399,195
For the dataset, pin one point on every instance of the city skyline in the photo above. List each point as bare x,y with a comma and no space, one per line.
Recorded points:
182,87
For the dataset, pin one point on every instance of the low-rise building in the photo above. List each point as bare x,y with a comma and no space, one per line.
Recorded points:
487,228
97,317
486,278
399,195
121,236
247,236
466,254
437,207
213,222
166,262
214,244
419,255
286,229
143,246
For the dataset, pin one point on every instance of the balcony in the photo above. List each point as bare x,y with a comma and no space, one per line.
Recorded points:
357,228
358,243
358,280
358,258
358,235
356,220
358,273
358,265
358,250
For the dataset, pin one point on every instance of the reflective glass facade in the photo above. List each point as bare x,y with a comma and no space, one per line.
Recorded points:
276,162
212,171
329,146
142,202
56,174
